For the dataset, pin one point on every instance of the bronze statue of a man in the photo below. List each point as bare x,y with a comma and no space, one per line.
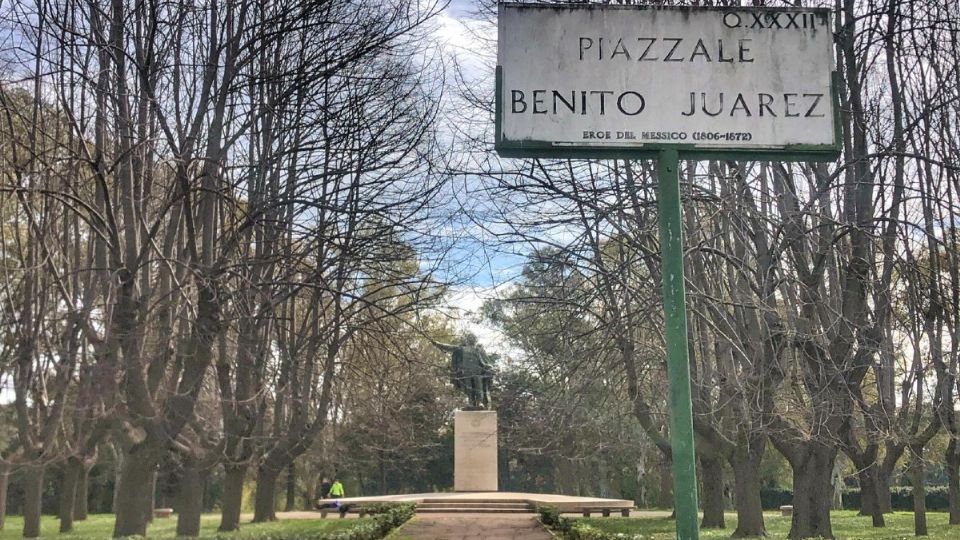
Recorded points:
470,370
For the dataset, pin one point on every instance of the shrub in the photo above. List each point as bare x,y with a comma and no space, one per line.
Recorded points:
572,529
551,518
386,517
772,499
375,509
582,531
549,515
901,498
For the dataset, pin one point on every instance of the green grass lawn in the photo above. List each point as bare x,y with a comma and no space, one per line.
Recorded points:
101,526
847,525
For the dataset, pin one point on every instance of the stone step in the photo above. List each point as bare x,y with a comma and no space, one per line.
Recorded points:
477,500
464,504
473,506
473,510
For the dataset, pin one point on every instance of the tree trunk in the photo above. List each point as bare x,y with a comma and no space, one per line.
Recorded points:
4,484
566,477
118,459
308,501
712,479
812,491
266,495
870,494
291,487
68,493
134,498
665,497
382,470
234,476
506,479
80,503
919,494
603,477
837,484
746,475
884,500
208,500
152,500
953,480
32,500
190,501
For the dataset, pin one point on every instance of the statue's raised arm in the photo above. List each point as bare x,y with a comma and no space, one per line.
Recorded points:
445,347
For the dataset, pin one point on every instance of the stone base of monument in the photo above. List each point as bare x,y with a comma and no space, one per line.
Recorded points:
475,451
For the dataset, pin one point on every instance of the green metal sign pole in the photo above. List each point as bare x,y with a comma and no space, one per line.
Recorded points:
678,368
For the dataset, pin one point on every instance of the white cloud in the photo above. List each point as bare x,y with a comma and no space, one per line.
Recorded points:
464,309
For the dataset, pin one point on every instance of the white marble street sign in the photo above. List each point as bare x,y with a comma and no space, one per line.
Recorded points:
634,77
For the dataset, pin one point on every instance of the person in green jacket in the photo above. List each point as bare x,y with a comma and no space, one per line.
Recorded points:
332,491
336,489
336,492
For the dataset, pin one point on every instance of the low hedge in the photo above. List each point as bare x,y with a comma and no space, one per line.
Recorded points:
385,518
901,498
582,531
772,499
550,517
573,529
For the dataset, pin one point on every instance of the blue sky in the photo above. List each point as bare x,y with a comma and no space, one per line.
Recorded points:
480,268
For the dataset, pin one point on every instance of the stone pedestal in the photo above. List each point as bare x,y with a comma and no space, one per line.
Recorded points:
475,451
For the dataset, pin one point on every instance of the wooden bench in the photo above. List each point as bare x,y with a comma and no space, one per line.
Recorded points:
786,510
162,513
604,511
343,509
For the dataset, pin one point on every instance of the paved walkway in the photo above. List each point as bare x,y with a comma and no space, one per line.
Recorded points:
472,527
